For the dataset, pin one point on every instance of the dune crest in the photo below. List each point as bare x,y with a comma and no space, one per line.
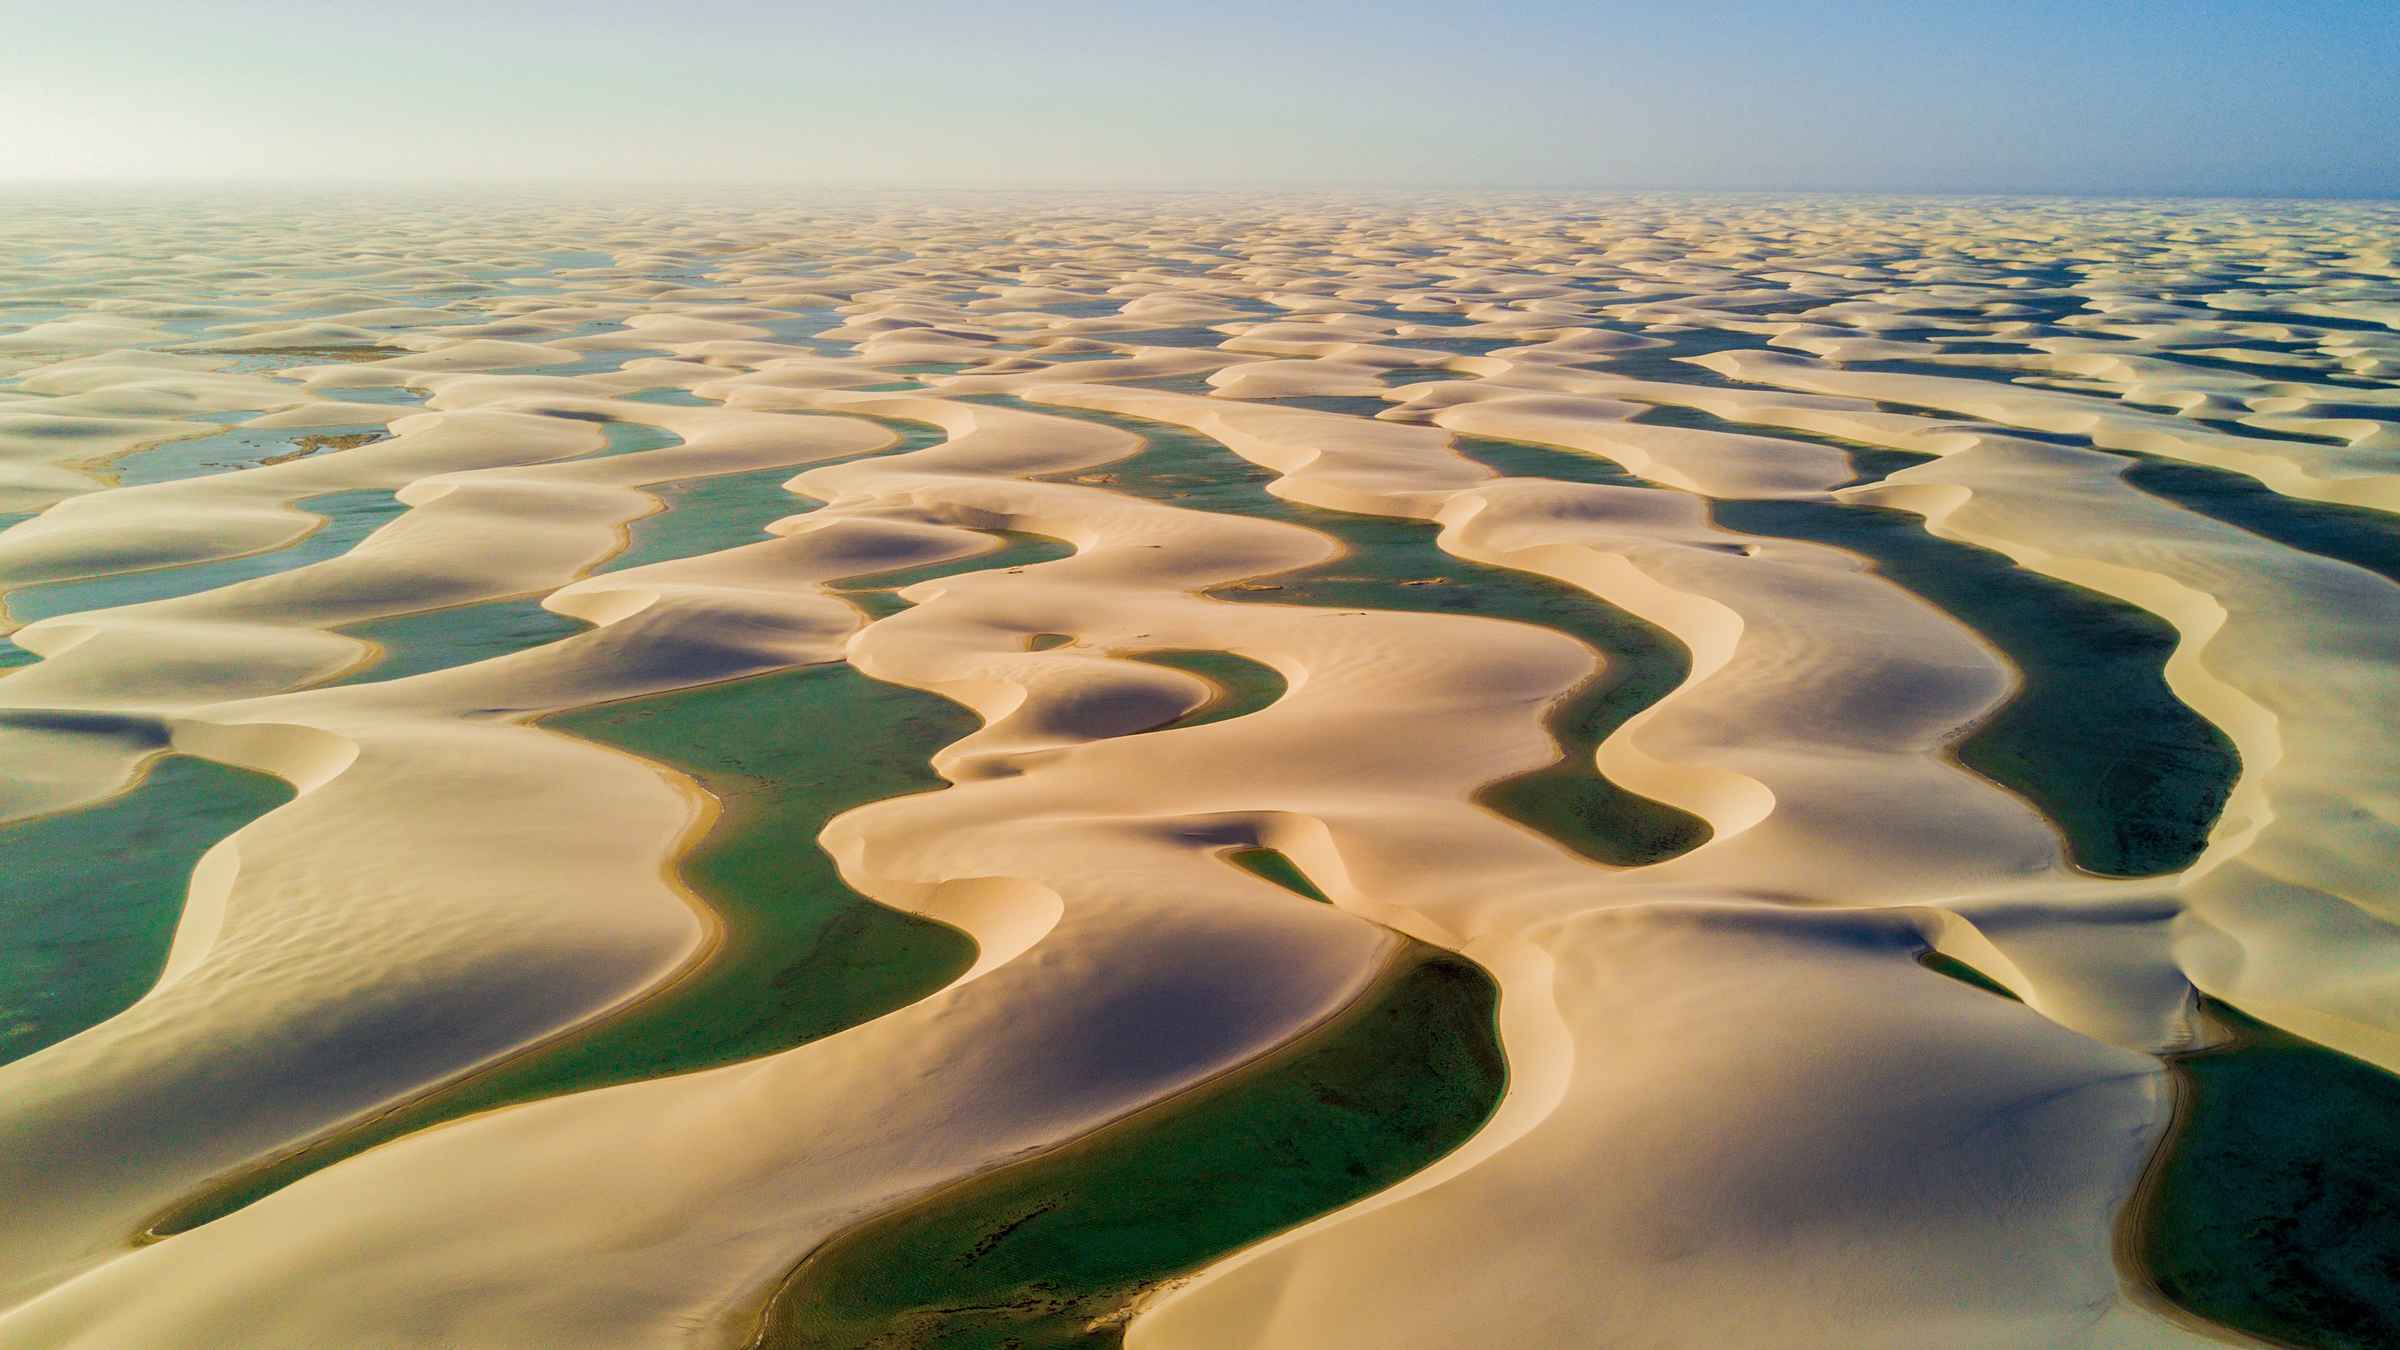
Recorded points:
1269,601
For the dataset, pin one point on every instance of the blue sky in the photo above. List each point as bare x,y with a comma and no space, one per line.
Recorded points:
2194,96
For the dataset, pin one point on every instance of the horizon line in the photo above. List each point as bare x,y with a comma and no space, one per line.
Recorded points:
1328,187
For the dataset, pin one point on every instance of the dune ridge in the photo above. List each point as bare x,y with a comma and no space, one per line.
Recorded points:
1737,1105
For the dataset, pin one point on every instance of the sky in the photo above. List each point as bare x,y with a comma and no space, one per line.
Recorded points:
2193,97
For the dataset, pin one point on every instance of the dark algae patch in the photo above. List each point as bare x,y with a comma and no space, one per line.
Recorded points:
1869,463
1569,800
94,895
1052,1251
2094,737
2357,535
802,955
1239,686
1942,963
2274,1208
1271,865
239,448
879,593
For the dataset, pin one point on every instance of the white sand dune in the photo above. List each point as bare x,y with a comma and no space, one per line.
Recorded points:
1738,1110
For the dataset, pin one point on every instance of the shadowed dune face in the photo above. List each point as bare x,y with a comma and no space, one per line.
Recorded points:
1193,771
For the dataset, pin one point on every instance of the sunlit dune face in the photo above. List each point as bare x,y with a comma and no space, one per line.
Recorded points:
1219,769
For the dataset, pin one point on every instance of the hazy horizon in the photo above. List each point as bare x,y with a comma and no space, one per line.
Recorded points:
1200,680
2242,99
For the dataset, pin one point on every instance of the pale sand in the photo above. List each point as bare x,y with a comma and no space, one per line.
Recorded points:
1737,1111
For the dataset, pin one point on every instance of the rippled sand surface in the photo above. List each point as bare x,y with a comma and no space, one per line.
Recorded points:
1198,771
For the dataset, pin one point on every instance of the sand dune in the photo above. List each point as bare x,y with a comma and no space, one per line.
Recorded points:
359,500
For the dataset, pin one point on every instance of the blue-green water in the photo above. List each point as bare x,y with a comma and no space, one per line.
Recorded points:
1239,686
2093,736
1055,1249
94,895
349,517
2272,1207
704,515
1398,564
701,515
878,595
210,455
388,396
12,655
603,362
804,955
623,438
413,644
671,397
